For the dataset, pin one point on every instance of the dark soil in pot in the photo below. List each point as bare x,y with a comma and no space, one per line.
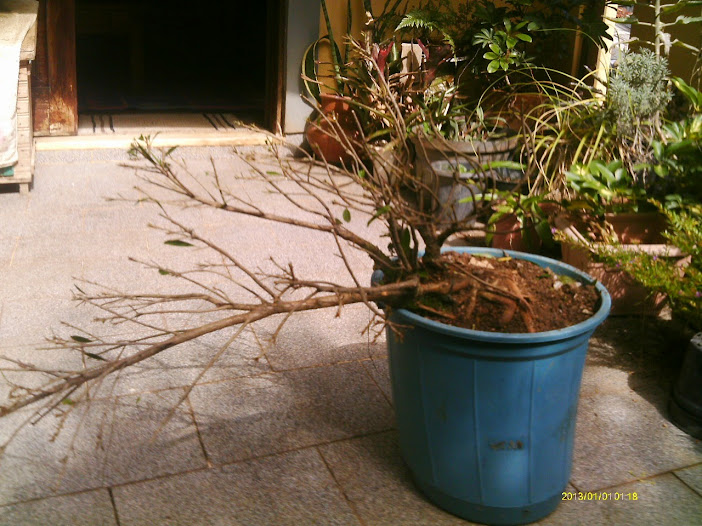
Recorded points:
506,295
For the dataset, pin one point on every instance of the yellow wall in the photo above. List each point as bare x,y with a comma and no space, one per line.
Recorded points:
339,20
338,17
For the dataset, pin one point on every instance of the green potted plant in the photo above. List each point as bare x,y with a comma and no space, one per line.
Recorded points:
667,170
332,90
332,111
522,222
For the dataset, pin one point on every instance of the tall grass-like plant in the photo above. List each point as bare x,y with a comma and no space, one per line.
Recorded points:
572,125
380,26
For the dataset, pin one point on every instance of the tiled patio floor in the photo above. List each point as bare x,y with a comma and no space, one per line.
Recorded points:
304,434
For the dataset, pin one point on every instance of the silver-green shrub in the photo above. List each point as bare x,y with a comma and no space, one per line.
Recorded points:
638,90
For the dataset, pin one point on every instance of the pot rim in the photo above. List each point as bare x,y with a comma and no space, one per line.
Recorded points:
487,145
522,337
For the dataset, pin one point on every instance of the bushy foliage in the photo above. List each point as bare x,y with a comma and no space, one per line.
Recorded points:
681,283
638,90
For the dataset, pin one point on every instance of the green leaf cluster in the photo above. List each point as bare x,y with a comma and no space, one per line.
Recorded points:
502,44
677,154
429,19
603,187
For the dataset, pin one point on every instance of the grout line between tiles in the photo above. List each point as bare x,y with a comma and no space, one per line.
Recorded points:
54,496
350,504
375,382
200,440
114,506
647,478
696,491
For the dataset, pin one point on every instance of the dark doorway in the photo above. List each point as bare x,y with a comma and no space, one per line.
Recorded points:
176,55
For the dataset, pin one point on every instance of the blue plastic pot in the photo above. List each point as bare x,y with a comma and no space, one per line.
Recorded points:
486,420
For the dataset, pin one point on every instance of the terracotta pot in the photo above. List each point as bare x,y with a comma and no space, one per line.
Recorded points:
336,118
513,107
636,228
510,234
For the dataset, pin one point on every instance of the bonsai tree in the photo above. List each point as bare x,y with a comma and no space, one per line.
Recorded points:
342,202
382,207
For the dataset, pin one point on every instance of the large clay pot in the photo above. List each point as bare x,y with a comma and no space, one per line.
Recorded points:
638,227
335,118
510,234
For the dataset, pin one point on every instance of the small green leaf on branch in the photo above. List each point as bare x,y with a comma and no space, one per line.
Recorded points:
95,356
178,243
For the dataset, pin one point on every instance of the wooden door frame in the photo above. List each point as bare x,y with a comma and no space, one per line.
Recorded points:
55,96
276,41
54,80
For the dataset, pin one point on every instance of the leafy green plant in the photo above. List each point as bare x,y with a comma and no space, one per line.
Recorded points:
312,77
681,284
504,52
533,214
677,155
431,18
601,187
468,28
